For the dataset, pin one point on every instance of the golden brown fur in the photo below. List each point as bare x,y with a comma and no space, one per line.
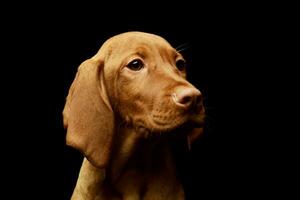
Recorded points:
122,119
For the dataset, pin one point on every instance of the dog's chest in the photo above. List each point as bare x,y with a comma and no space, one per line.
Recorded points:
149,173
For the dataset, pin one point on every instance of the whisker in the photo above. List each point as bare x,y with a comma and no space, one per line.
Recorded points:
188,144
182,47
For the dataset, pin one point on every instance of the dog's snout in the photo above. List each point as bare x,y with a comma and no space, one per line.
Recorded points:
186,97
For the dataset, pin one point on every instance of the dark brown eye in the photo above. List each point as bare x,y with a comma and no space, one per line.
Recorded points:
180,64
135,65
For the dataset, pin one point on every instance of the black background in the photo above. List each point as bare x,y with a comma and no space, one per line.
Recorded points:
230,59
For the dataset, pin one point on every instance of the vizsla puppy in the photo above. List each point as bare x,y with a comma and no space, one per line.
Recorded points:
124,107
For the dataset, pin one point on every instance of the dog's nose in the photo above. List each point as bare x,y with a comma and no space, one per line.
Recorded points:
187,97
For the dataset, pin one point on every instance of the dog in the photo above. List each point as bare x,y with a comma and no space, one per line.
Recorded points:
123,108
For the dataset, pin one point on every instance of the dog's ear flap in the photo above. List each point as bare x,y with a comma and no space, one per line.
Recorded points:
88,115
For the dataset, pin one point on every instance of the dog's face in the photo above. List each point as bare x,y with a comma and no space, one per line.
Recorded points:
136,78
146,80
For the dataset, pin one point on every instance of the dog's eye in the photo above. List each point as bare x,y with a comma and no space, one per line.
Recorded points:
180,64
135,65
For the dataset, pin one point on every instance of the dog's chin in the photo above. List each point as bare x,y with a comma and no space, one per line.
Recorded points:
186,123
197,121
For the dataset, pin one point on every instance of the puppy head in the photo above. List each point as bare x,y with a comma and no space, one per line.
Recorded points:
141,79
147,83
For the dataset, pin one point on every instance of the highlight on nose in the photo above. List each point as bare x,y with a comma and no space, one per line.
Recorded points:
186,97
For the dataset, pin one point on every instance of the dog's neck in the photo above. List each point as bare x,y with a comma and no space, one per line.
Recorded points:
138,164
136,149
89,181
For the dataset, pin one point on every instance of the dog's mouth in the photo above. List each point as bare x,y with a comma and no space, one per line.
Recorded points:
181,123
171,132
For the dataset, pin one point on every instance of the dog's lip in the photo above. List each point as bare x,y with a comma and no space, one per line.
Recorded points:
185,124
191,124
165,126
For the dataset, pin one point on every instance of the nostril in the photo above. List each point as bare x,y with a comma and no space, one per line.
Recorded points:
185,100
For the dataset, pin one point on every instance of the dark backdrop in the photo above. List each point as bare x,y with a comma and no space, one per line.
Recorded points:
227,51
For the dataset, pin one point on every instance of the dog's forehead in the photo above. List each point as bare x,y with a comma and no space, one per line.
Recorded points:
134,40
119,47
139,37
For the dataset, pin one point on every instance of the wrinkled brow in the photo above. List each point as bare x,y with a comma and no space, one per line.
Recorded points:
142,51
169,54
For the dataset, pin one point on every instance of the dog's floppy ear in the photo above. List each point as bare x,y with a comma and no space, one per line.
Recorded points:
88,115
